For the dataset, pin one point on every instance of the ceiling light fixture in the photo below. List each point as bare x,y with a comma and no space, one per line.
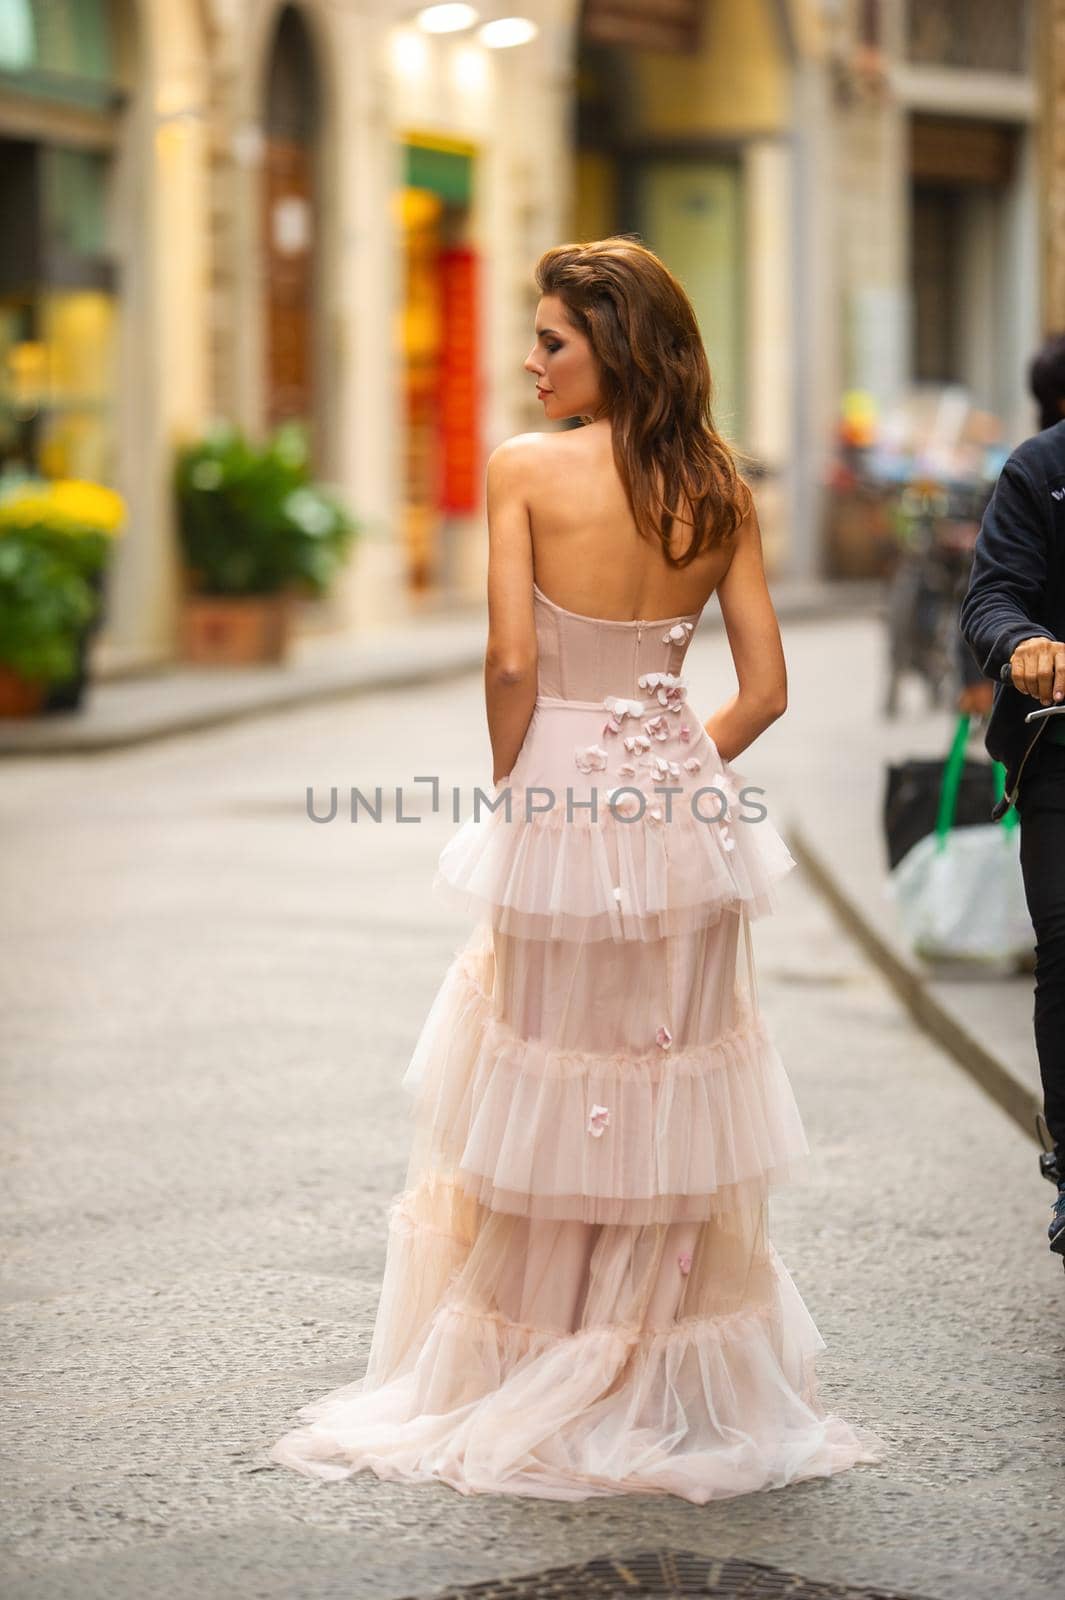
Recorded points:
508,31
446,18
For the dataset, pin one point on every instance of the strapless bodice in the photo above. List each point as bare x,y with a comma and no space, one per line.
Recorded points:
585,658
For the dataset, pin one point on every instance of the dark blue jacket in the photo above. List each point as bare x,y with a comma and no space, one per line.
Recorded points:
1017,585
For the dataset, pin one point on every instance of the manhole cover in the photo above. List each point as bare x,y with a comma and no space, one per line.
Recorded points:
680,1573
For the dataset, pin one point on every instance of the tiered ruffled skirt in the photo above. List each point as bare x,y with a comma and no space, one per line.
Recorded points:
580,1296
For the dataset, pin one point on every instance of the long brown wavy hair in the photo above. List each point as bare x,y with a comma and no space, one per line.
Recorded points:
656,387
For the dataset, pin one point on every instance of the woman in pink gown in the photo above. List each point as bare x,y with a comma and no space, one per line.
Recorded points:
580,1294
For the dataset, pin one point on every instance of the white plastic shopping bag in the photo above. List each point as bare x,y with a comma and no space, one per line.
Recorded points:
964,901
960,891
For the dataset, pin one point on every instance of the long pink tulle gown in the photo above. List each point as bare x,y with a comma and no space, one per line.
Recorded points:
580,1295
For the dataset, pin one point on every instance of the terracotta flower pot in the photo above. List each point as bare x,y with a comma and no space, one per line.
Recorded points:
19,696
228,631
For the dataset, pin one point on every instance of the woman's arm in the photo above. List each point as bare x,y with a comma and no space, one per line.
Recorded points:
753,633
510,662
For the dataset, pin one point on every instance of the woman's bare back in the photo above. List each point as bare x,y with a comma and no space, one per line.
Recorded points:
587,553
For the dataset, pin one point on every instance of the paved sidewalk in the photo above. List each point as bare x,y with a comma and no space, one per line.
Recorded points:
178,699
826,766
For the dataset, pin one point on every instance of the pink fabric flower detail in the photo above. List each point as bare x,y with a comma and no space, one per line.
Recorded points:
637,742
678,633
662,769
667,688
612,726
684,733
720,781
657,727
620,708
626,805
663,1037
598,1118
692,764
684,1261
654,811
626,770
591,758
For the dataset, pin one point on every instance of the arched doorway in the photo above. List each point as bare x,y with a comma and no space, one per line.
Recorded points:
291,191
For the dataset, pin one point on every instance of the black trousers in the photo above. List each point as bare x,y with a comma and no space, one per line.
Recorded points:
1041,808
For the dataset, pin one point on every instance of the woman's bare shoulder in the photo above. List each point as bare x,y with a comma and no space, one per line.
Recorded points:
510,455
521,444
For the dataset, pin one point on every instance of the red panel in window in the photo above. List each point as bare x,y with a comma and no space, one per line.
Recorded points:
459,412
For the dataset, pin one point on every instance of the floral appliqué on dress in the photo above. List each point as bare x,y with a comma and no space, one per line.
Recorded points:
592,758
678,633
598,1118
667,688
721,782
619,709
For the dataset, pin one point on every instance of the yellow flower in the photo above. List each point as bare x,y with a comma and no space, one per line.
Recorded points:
67,505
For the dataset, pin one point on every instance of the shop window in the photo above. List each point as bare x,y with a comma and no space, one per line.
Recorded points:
58,312
58,49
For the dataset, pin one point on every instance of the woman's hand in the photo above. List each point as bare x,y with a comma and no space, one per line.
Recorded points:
735,726
1037,667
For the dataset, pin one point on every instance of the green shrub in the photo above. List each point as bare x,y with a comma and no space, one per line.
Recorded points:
56,538
250,519
44,604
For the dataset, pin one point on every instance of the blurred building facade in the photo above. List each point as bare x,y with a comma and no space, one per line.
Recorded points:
850,191
255,210
1050,52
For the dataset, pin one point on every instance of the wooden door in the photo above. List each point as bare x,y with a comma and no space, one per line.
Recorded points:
289,261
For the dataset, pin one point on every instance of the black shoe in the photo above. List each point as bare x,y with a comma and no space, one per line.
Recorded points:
1052,1166
1056,1230
1052,1159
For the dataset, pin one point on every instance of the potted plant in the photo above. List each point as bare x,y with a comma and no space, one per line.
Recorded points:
55,543
255,532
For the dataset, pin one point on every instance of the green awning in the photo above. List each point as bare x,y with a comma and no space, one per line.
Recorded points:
445,172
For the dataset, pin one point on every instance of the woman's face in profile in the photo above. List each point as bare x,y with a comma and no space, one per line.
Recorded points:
562,363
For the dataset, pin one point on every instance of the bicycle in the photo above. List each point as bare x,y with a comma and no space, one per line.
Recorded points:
936,527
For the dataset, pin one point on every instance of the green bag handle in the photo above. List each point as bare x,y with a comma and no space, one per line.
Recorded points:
948,793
